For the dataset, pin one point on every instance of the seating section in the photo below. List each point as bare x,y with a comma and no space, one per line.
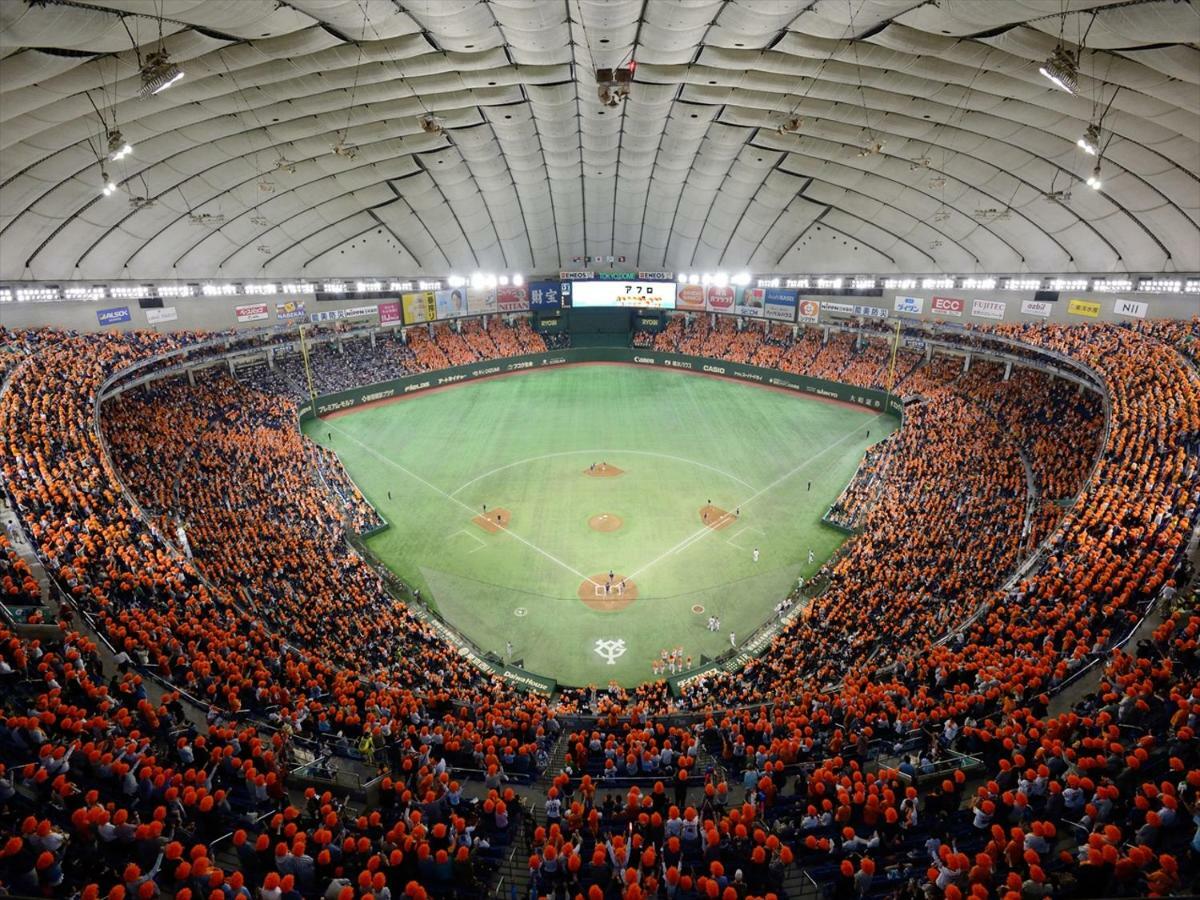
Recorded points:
900,734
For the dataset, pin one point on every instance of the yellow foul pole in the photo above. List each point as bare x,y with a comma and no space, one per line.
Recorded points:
312,394
892,364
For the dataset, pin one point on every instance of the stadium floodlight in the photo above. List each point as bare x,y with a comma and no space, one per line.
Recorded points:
158,73
682,279
1090,142
477,281
721,279
456,281
1062,69
706,279
693,278
503,280
107,186
490,281
118,147
518,279
1094,181
741,279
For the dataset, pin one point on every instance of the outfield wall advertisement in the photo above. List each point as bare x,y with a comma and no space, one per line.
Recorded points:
832,390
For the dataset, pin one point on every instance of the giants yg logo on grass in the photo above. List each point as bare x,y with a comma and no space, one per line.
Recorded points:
610,649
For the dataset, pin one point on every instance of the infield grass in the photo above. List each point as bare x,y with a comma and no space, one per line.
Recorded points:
524,442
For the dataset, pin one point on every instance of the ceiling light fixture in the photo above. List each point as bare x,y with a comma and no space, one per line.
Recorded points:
518,279
158,73
1062,69
1094,181
1090,142
791,126
118,147
108,186
431,125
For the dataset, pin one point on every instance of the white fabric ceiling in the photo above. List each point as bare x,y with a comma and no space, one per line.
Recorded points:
533,172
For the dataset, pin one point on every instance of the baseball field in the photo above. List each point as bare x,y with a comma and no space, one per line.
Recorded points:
513,499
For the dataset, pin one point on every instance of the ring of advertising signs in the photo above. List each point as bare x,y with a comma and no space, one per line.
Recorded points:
988,309
809,310
289,310
251,312
720,299
780,304
947,306
690,297
1089,308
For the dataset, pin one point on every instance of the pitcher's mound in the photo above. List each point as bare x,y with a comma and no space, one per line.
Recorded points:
494,520
715,517
603,470
592,592
605,522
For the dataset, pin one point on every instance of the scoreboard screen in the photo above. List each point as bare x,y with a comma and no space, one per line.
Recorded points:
644,294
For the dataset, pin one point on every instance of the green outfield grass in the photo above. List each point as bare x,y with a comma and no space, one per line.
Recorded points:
524,442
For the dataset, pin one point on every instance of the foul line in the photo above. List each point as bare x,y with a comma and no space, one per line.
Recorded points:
600,453
473,537
437,490
699,535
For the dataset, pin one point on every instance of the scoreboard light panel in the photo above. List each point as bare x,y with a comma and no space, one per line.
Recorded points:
644,294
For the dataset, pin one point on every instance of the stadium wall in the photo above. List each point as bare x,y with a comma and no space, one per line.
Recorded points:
871,399
220,313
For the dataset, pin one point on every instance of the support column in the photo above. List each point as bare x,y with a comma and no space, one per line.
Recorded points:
967,363
1007,369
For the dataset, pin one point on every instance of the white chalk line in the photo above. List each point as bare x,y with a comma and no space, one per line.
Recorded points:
600,454
699,535
437,490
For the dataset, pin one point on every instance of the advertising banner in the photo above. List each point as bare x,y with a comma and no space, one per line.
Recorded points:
809,310
251,312
1131,308
336,315
452,303
419,307
1089,308
545,294
913,305
780,304
289,309
1036,308
720,299
162,314
512,299
842,309
988,309
750,301
114,316
482,301
389,313
690,296
870,312
947,306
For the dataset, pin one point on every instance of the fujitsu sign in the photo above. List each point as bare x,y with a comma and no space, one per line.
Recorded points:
947,306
